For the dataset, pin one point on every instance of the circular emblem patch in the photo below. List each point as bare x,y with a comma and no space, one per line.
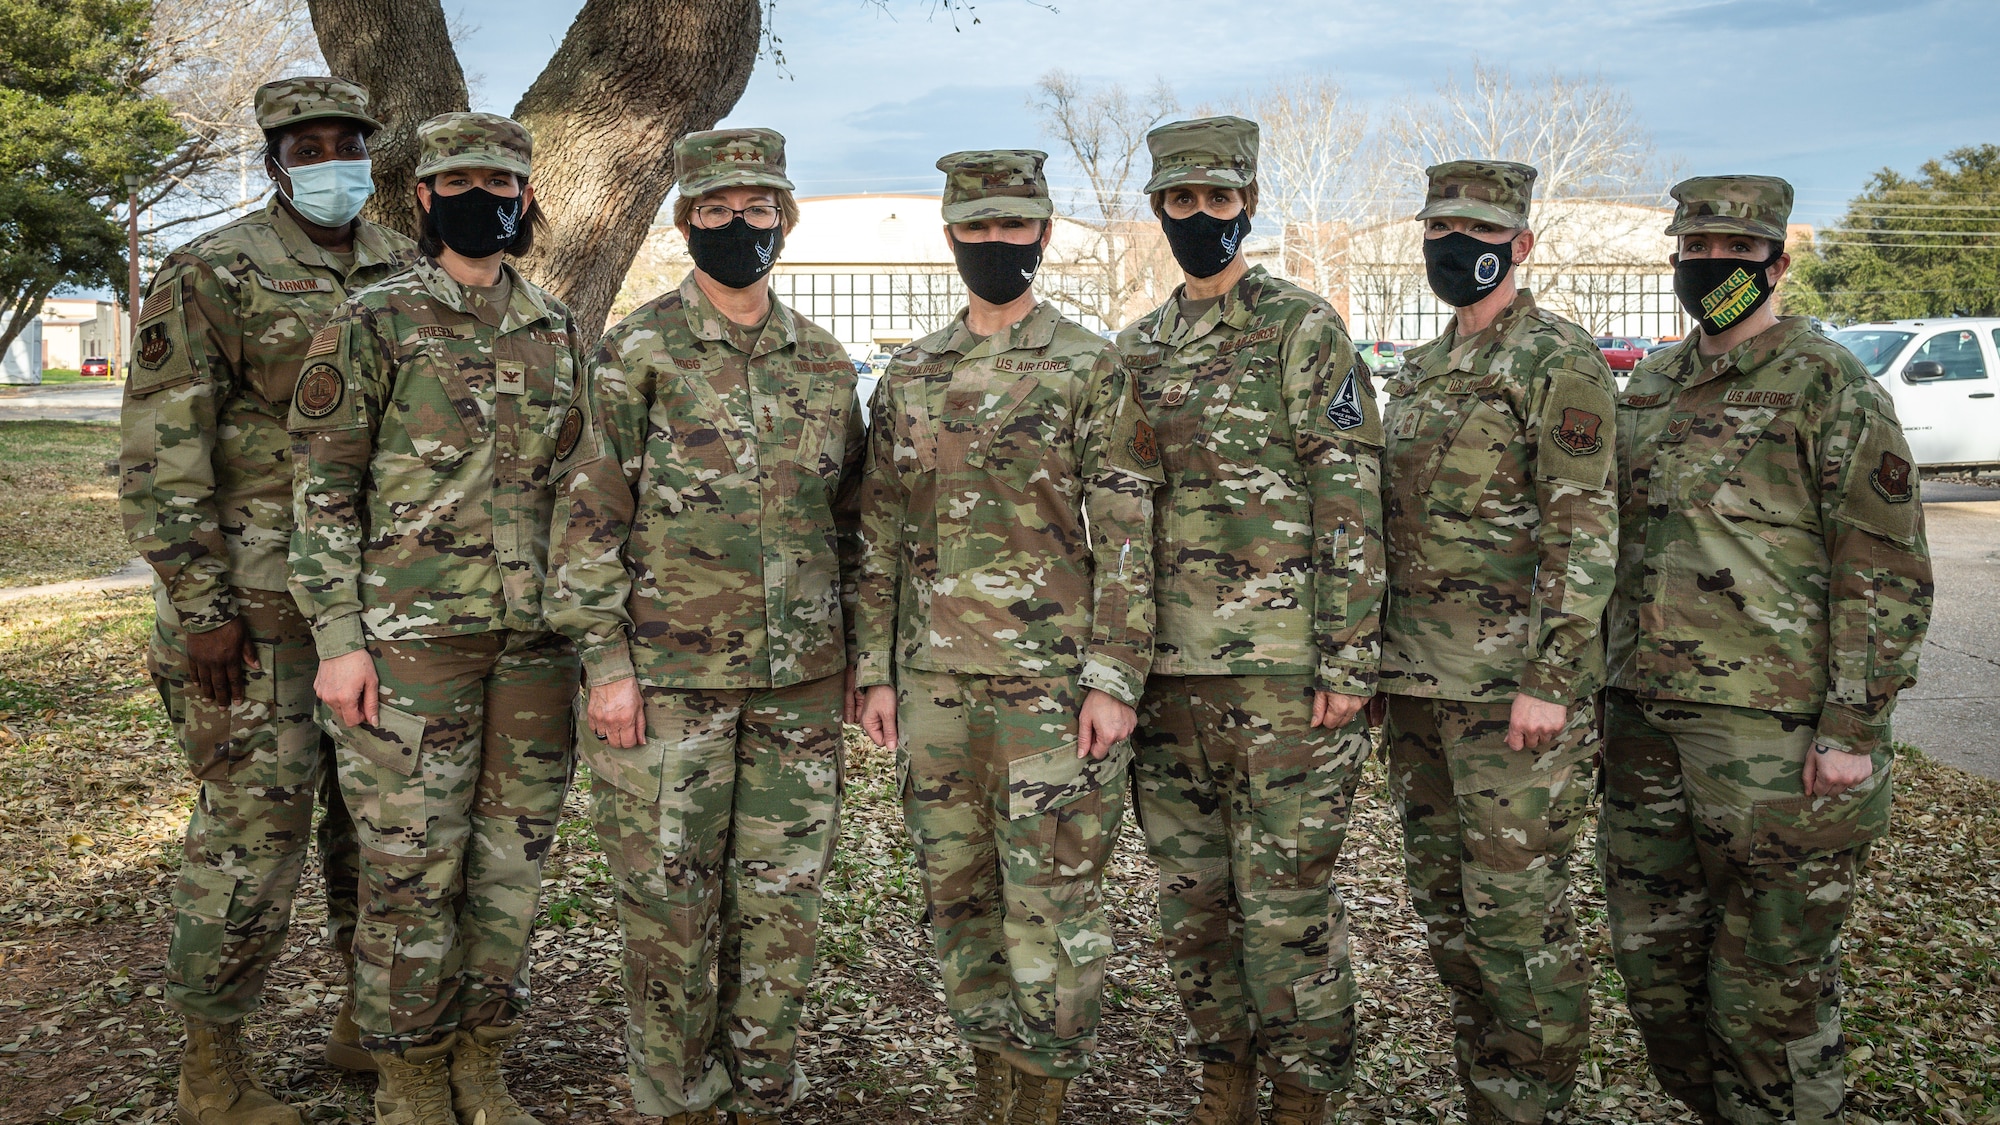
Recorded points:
572,430
320,391
1486,268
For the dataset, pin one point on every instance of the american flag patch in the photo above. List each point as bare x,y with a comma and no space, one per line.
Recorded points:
326,341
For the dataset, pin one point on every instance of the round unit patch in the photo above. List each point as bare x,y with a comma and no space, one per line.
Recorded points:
320,390
572,430
1486,269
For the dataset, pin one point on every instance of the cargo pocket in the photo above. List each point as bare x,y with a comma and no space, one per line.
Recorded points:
1818,1085
219,740
636,770
1085,942
1801,868
381,763
1326,996
201,927
1070,794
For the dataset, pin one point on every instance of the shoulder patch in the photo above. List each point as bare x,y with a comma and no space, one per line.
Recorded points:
156,346
161,301
320,390
1144,446
1891,478
324,342
1344,411
1577,433
571,432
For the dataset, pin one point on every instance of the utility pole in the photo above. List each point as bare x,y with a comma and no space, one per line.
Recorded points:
131,343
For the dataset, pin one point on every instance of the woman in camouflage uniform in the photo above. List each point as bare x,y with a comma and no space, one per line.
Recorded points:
1269,563
428,418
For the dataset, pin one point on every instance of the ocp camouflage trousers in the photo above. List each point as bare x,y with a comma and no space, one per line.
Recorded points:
1012,831
1727,889
719,829
1487,836
1245,807
456,791
261,764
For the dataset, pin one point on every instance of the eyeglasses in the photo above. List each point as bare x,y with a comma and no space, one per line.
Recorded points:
709,216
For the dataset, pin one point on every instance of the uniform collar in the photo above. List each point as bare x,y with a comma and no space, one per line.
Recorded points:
525,303
1237,308
1693,369
370,247
1474,353
1036,330
781,328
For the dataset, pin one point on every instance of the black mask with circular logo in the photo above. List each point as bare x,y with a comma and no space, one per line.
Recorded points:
1462,269
738,254
476,223
1720,292
997,271
1203,244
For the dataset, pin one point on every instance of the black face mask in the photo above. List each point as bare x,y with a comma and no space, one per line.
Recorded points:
735,255
1720,292
1203,244
476,223
1462,269
997,271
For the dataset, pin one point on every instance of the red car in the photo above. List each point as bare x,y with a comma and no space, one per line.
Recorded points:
1622,352
96,367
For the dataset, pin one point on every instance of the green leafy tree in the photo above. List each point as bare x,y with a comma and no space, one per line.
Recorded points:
73,123
1928,246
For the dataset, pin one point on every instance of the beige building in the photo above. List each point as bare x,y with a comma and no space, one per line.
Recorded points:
79,328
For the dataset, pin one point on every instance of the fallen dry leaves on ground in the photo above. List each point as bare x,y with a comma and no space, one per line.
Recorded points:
92,798
58,507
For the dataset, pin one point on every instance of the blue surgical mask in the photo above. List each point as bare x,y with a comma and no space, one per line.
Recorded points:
331,192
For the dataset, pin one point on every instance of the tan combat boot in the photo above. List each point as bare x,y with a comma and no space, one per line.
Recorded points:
415,1086
1228,1095
476,1084
217,1087
343,1041
992,1087
1295,1105
1037,1099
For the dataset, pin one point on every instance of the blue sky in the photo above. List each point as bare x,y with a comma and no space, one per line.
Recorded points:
1822,92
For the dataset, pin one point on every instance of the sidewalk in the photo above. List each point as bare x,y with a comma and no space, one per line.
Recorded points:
75,402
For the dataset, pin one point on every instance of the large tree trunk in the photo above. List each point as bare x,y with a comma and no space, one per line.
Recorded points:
401,51
630,78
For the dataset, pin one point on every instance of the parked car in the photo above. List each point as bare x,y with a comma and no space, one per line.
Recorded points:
1381,355
1944,373
1622,352
95,367
1662,345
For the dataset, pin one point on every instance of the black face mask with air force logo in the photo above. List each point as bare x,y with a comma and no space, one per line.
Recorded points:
997,271
476,223
735,255
1462,269
1203,244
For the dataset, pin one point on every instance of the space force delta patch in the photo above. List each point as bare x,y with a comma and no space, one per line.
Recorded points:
1345,409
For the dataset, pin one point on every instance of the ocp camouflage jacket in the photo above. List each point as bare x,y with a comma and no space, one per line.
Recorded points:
1268,536
1774,552
1502,517
710,522
427,426
985,458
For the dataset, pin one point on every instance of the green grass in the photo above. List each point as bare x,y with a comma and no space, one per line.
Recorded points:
58,507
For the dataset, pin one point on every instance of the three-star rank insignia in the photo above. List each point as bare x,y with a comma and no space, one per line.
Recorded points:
570,434
155,346
1577,434
1144,446
1892,479
320,390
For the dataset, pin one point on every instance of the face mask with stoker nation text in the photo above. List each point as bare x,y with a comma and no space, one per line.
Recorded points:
1720,292
476,223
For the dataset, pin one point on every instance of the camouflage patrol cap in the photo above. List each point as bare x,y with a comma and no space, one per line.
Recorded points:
289,101
1493,191
1001,184
720,158
472,140
1218,151
1752,205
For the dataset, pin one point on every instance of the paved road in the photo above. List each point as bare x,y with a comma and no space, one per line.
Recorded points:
75,402
1953,713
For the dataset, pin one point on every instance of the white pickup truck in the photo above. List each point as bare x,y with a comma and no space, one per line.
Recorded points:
1944,373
